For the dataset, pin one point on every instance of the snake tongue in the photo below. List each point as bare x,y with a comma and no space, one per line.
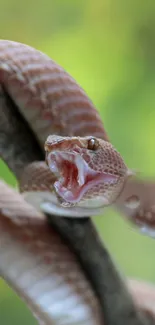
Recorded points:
74,176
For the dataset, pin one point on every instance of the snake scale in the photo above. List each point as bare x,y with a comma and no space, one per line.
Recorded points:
39,98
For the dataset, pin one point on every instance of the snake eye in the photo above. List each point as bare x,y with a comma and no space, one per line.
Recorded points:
93,144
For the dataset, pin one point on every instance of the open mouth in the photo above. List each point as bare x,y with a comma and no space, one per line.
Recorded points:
74,176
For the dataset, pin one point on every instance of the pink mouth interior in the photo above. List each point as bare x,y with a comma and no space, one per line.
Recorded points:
74,176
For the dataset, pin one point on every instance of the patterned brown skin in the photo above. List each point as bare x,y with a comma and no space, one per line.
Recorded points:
137,204
39,266
45,96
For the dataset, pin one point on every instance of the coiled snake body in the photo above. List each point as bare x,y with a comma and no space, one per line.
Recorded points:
88,174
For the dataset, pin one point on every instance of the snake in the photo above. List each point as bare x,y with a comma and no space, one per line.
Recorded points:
82,173
44,272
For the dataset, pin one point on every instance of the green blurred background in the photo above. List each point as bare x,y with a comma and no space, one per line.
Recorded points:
109,48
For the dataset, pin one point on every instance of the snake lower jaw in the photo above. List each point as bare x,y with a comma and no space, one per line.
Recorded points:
70,212
47,202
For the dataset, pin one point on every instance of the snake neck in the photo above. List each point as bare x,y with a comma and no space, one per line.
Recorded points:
18,145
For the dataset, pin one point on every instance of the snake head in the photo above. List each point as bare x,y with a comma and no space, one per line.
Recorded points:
89,171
